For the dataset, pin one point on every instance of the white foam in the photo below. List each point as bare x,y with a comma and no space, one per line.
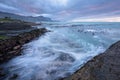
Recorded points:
42,58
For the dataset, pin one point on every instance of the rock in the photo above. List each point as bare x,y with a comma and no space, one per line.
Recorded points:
14,77
11,47
17,47
2,73
14,26
105,66
65,57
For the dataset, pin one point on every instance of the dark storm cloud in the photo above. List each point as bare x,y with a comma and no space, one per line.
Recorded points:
63,9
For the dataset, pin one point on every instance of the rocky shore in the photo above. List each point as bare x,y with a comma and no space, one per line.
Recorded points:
105,66
13,28
11,47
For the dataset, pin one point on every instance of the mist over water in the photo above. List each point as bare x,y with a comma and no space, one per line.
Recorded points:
62,51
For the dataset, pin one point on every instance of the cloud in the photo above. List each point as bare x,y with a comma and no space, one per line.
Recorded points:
63,9
110,19
4,6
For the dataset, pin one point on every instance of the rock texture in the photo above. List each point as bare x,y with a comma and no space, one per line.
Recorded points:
10,48
105,66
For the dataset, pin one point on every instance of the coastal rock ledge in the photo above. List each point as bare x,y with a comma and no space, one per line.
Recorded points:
105,66
11,47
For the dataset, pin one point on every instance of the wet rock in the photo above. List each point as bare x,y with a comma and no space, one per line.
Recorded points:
105,66
65,57
14,77
14,26
2,73
17,47
51,72
11,47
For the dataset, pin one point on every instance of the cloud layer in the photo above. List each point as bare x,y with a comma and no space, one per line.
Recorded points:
63,9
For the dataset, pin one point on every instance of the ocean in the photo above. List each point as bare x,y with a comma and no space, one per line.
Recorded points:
62,51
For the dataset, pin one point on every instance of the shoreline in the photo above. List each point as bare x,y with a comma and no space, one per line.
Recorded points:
105,66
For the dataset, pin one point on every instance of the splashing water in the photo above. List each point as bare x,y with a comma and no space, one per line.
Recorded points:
61,52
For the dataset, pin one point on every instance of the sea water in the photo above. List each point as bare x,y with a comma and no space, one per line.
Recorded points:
62,51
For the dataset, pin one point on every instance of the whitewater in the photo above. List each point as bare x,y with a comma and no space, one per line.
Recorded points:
62,51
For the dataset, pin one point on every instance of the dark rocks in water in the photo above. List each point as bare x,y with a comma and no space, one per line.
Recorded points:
11,47
105,66
51,72
65,57
14,77
2,72
14,26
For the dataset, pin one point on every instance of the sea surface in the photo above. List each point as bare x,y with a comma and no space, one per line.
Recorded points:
62,51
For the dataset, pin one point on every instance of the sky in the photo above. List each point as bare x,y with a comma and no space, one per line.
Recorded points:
65,10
